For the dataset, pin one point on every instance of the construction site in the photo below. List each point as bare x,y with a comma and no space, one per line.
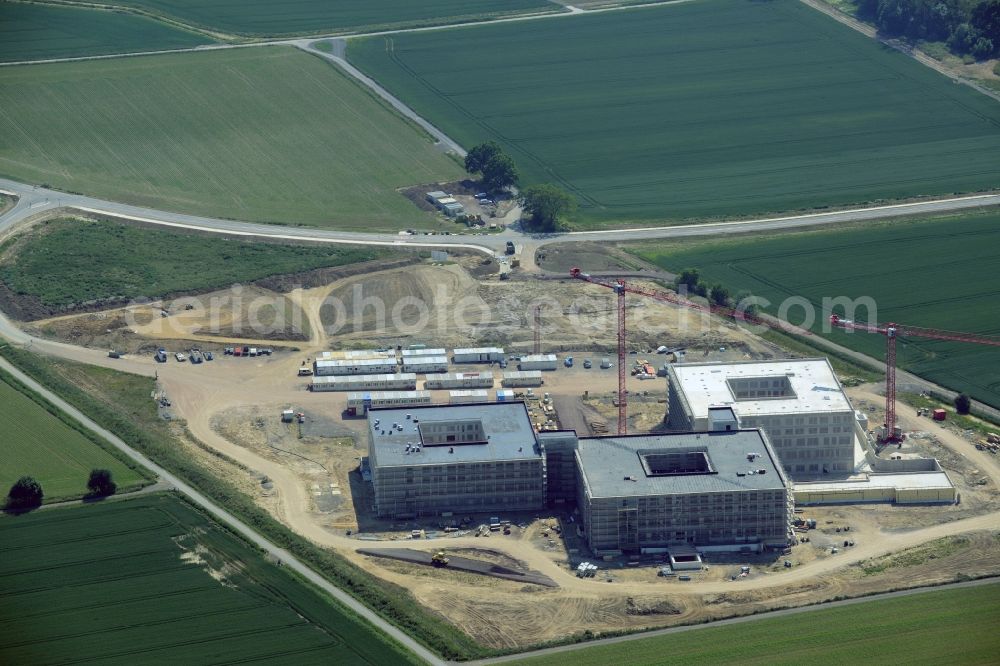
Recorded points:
495,430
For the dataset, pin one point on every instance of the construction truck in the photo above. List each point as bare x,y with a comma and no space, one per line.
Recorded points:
439,559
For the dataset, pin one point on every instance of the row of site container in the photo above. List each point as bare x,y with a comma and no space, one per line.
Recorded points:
358,404
419,361
407,381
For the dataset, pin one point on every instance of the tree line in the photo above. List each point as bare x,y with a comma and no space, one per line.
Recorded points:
27,493
968,28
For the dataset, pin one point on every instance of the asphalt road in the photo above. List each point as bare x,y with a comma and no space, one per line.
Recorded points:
220,514
34,200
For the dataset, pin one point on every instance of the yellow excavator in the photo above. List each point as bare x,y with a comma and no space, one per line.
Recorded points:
439,559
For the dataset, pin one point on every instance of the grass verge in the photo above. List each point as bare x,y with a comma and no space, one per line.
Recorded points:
978,424
911,557
849,370
68,262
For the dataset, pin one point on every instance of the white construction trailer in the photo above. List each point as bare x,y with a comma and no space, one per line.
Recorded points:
412,353
468,395
366,366
356,355
425,364
358,404
460,380
516,378
400,382
478,355
539,362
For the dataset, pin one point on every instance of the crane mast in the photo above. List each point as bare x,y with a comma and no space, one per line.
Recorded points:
892,432
620,287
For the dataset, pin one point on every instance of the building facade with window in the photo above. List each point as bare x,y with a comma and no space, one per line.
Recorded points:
455,459
799,403
716,489
722,489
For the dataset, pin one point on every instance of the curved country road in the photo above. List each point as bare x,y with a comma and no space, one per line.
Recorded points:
38,200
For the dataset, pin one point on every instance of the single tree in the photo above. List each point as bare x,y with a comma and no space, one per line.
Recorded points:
547,205
26,493
719,295
481,155
963,403
747,302
500,174
689,277
100,483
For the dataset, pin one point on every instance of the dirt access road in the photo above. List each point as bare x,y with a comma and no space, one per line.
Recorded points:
201,393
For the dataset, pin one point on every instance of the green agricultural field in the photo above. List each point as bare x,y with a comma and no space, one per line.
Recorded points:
31,31
267,134
35,441
120,402
69,262
696,110
267,17
936,273
154,580
954,626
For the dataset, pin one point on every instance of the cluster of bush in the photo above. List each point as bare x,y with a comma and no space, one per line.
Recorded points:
969,28
689,282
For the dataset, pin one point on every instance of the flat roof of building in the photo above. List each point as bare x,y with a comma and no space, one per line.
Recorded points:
387,395
613,466
897,480
425,360
355,379
505,424
353,362
812,380
412,353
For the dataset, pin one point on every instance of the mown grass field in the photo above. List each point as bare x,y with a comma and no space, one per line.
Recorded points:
701,109
954,626
36,442
154,580
68,262
936,273
31,31
267,17
266,134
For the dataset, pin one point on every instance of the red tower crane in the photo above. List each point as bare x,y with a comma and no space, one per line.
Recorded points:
538,329
891,332
621,288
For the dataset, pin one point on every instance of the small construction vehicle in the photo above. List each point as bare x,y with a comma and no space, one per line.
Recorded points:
439,559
